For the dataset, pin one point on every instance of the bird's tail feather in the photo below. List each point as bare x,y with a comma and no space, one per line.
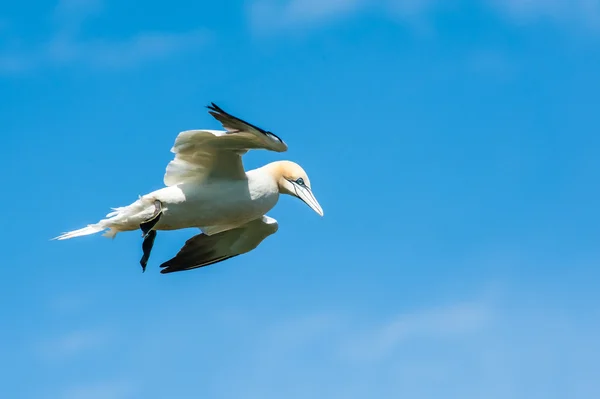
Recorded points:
89,229
120,219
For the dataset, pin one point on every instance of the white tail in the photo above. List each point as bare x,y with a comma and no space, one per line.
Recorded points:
90,229
120,219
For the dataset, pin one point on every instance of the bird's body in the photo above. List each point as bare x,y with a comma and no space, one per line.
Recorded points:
213,205
217,204
207,188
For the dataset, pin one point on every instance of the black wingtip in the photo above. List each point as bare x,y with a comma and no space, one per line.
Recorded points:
165,264
167,268
214,107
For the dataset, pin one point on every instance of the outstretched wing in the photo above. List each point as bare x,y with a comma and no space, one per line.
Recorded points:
215,153
203,250
234,124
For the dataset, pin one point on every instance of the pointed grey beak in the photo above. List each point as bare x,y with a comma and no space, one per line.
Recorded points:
306,195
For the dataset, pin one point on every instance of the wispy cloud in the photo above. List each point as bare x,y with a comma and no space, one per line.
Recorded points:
272,15
70,12
66,46
117,389
268,15
491,62
356,339
438,323
67,303
290,335
578,12
74,343
361,339
366,352
142,47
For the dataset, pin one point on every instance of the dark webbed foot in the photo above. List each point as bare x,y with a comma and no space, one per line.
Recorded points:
149,234
150,223
147,248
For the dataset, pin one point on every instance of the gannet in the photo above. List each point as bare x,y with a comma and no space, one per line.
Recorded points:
206,187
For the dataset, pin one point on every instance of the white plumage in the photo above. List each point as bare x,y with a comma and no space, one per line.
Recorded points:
207,187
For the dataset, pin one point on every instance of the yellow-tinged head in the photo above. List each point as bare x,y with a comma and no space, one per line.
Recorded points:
293,180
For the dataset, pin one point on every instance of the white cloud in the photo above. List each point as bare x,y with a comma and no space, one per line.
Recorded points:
491,63
292,334
410,8
67,303
102,390
357,355
316,9
356,339
268,15
14,63
69,16
74,343
438,323
66,47
586,12
67,10
142,47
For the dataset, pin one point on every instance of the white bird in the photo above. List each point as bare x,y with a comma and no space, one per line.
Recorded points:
208,188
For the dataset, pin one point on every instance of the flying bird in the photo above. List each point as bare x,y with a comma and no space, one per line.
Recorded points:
207,187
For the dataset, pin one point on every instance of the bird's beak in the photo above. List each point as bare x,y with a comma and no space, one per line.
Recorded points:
307,196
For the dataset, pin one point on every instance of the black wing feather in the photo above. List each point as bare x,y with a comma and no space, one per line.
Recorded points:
227,119
171,268
196,252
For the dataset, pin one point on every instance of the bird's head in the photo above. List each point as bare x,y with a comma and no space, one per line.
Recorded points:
293,180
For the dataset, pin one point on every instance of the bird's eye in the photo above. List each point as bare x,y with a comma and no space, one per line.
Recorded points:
300,181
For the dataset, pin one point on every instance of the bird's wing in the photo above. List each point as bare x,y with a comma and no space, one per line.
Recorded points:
203,250
203,153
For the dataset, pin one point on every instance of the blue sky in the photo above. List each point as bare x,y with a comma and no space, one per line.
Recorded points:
453,146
